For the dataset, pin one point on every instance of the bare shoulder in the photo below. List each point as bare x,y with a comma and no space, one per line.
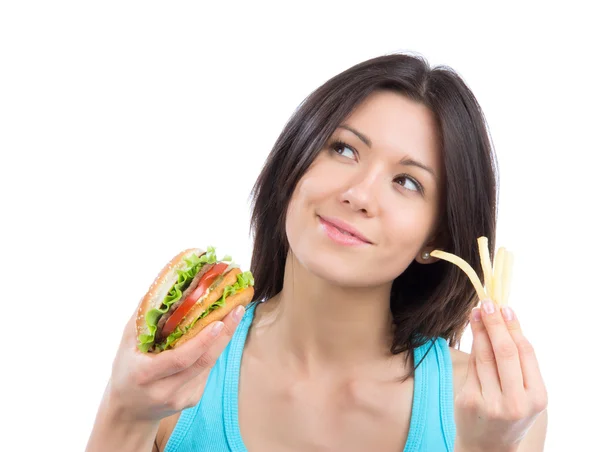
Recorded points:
460,365
165,429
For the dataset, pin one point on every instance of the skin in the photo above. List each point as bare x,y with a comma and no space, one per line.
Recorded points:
316,372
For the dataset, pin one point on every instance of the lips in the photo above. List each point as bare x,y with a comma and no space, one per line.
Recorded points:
343,227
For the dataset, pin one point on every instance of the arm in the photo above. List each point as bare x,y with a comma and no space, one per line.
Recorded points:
533,441
112,432
535,438
165,429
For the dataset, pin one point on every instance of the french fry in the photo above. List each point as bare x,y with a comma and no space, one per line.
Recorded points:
497,277
506,276
486,263
464,266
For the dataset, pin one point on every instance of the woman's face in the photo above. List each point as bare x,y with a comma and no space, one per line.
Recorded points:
381,175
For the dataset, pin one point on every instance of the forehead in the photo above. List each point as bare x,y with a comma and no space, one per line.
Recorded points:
395,123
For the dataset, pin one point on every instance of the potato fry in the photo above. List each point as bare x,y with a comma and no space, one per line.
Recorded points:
506,276
465,267
497,278
486,264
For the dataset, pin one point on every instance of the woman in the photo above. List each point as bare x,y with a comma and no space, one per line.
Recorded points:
349,343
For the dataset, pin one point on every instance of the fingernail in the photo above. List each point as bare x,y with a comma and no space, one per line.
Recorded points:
476,314
507,313
488,307
216,329
238,313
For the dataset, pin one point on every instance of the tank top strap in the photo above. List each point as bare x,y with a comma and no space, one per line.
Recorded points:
432,421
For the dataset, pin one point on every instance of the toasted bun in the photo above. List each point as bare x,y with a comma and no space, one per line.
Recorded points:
241,298
161,286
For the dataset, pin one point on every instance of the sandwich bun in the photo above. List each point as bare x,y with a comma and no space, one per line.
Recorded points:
161,286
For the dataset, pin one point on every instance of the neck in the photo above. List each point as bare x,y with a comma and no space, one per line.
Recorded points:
323,325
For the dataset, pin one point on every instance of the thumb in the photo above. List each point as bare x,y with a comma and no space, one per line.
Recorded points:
472,382
130,330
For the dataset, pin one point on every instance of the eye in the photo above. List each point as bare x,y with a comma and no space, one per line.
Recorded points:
409,183
341,148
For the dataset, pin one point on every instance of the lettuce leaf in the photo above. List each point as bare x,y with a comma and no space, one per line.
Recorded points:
185,276
244,280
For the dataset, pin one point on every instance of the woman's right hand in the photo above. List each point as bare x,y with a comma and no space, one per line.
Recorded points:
145,388
149,387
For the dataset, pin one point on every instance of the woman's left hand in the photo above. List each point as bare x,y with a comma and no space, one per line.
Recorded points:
504,392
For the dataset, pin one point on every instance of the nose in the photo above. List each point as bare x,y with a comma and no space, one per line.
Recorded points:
361,194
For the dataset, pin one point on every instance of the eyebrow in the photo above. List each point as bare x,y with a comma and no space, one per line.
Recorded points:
362,137
407,161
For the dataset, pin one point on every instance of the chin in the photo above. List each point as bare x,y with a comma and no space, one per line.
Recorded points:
337,268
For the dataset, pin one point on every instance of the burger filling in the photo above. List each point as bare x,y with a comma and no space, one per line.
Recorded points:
244,280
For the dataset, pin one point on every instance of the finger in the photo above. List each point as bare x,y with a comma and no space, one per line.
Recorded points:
208,359
176,360
532,376
504,348
231,322
472,382
130,330
485,360
469,396
197,353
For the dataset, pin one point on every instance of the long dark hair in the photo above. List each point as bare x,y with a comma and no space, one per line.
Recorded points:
427,301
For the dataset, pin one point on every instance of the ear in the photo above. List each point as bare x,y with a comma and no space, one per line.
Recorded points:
435,242
424,258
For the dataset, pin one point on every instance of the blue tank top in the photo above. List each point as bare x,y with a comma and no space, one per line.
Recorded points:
212,425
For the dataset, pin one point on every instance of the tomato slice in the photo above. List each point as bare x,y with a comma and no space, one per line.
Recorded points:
207,279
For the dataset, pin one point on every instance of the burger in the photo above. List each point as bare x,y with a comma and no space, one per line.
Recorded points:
192,290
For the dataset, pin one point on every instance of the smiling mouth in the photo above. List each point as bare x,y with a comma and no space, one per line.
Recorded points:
348,233
341,236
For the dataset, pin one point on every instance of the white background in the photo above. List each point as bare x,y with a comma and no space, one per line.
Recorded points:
131,130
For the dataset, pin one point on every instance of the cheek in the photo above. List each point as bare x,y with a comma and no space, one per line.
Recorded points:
315,187
317,184
298,212
308,245
407,230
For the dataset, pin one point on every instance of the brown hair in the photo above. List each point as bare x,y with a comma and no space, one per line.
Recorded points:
427,301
